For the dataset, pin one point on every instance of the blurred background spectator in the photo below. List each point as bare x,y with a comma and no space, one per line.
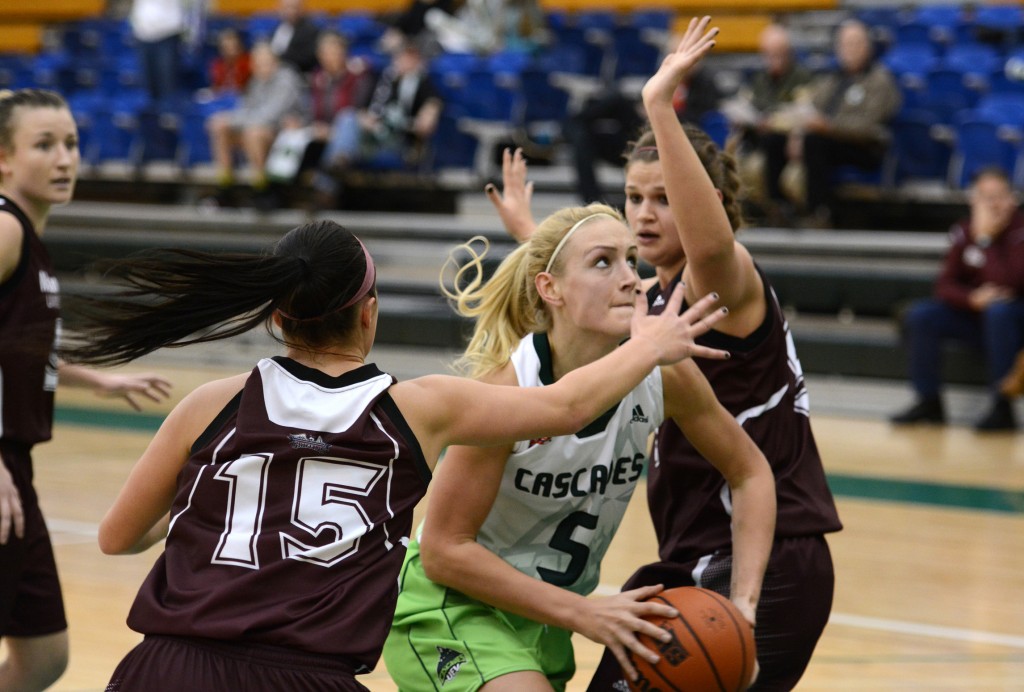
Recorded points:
294,38
230,69
158,27
847,124
274,91
764,104
395,128
978,300
337,89
488,26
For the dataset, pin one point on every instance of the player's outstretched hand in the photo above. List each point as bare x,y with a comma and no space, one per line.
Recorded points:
678,64
513,201
673,333
130,387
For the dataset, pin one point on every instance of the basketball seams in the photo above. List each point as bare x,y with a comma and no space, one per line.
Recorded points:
722,600
707,656
656,668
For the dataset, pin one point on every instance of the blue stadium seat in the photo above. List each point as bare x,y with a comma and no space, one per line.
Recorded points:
944,22
916,153
451,147
15,71
977,62
981,142
716,125
633,54
946,91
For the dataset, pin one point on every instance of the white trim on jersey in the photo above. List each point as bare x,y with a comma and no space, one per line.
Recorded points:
289,400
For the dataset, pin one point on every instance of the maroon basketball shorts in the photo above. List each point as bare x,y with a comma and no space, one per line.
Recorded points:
165,664
31,604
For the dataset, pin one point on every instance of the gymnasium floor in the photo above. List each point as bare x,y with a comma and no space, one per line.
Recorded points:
930,566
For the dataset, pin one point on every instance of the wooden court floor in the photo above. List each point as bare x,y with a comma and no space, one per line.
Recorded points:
930,566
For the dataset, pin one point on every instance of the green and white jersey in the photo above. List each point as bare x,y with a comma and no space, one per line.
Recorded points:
562,499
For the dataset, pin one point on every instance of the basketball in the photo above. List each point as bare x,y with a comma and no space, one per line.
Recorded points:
712,646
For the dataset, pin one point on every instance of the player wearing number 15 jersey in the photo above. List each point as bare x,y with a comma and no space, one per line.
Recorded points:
514,535
286,494
277,499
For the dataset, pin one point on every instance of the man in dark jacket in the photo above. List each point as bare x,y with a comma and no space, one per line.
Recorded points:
294,39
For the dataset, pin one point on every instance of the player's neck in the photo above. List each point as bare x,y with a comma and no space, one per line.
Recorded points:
574,350
333,363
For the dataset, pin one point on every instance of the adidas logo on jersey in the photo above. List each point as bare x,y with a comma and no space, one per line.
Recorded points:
638,415
304,441
659,301
448,663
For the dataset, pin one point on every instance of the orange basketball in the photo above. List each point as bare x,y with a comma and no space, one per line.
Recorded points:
712,647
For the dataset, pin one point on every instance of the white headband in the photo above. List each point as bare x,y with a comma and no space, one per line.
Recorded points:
568,234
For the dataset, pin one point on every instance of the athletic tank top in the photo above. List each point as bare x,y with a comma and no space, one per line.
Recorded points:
562,499
291,518
762,385
29,329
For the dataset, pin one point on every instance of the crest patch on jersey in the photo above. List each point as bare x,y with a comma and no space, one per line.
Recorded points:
449,661
304,441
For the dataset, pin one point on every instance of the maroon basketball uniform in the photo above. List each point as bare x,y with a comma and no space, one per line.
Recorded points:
30,598
291,519
762,386
29,312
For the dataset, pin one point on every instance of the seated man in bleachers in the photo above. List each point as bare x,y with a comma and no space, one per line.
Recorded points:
397,125
979,300
766,104
274,90
848,124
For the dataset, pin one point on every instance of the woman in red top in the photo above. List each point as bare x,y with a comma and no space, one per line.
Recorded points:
230,70
978,300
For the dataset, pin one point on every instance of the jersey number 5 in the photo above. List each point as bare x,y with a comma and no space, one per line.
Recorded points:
578,552
324,501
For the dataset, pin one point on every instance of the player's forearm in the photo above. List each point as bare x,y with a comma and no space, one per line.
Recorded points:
477,572
753,534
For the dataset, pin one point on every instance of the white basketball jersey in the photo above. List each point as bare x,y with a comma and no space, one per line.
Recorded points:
562,498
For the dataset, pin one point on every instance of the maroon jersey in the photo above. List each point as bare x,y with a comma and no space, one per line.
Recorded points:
762,385
291,518
29,311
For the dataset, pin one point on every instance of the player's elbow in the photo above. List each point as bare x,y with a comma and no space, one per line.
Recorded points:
440,562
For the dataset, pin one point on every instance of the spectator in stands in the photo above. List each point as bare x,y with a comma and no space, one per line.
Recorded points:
766,103
337,89
848,124
274,91
230,70
488,26
294,39
978,300
410,24
398,123
158,27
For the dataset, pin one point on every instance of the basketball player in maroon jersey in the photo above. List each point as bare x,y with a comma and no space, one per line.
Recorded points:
684,209
38,166
286,494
